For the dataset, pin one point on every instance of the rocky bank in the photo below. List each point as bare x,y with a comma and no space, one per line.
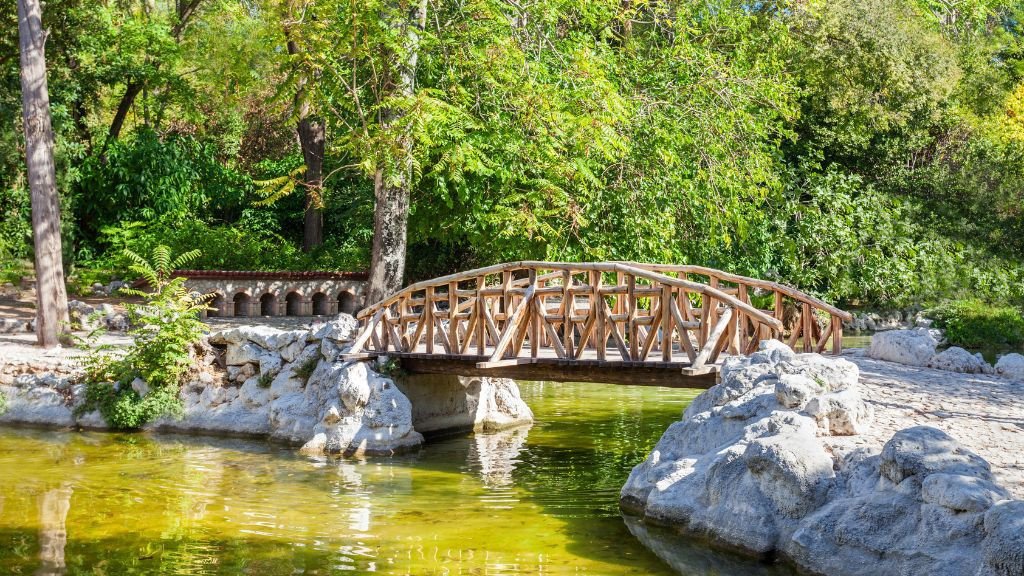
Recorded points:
780,460
290,386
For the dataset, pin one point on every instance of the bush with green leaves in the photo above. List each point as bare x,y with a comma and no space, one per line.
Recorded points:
978,324
164,329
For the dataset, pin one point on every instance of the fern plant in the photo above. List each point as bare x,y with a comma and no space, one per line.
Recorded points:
164,328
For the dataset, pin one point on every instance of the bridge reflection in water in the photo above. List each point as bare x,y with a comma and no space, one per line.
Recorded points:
613,322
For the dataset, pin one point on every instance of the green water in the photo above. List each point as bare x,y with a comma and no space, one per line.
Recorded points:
536,501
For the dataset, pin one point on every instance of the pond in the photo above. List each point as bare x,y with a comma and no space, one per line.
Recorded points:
536,501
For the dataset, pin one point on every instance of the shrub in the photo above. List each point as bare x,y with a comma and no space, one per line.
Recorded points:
164,329
977,324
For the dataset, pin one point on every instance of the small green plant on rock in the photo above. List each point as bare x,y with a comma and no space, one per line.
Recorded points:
305,369
265,380
166,325
3,403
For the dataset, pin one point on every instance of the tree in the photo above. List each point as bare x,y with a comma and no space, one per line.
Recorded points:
312,139
392,185
52,300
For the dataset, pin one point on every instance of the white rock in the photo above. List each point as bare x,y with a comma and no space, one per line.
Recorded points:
141,387
1011,366
795,390
841,413
912,347
341,329
239,354
956,359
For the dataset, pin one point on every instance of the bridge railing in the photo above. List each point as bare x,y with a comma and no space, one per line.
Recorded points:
605,312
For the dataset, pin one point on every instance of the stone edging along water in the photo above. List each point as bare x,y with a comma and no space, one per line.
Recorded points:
755,464
290,386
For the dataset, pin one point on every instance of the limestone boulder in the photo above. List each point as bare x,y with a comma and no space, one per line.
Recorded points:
911,347
1011,366
755,464
243,353
956,359
341,329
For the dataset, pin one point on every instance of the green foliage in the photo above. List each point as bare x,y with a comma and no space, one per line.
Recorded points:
978,324
869,151
3,403
164,329
265,380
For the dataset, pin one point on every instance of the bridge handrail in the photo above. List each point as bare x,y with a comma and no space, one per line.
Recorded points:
754,282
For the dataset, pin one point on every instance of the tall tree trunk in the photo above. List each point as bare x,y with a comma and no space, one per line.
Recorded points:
312,138
51,296
391,215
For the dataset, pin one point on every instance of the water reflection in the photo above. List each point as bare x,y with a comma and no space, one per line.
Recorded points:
53,535
689,557
542,500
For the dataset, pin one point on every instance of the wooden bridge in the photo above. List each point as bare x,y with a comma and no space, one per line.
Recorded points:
614,322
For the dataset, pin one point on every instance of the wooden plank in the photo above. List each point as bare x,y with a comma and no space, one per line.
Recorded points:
709,351
512,327
360,341
588,329
391,332
617,338
670,375
652,336
684,335
819,346
535,318
556,343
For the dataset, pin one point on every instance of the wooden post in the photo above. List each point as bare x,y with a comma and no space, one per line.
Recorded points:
567,310
808,319
597,310
666,323
481,310
428,318
837,335
453,310
536,317
629,326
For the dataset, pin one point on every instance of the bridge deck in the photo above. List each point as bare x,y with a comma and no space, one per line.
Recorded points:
548,366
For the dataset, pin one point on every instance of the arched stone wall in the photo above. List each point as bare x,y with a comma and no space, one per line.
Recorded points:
218,305
334,292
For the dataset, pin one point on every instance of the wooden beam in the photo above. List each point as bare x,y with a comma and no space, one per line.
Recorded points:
710,349
512,326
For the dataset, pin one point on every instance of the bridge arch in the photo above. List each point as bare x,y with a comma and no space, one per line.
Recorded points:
587,321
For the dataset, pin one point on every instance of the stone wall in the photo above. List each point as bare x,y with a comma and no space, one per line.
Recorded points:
280,296
291,386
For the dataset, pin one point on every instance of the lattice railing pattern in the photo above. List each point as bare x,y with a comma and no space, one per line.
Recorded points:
607,312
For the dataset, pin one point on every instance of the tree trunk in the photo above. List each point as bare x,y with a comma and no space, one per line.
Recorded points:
312,139
392,192
131,91
51,295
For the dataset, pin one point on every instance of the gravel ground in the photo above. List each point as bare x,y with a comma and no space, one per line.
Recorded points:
984,413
